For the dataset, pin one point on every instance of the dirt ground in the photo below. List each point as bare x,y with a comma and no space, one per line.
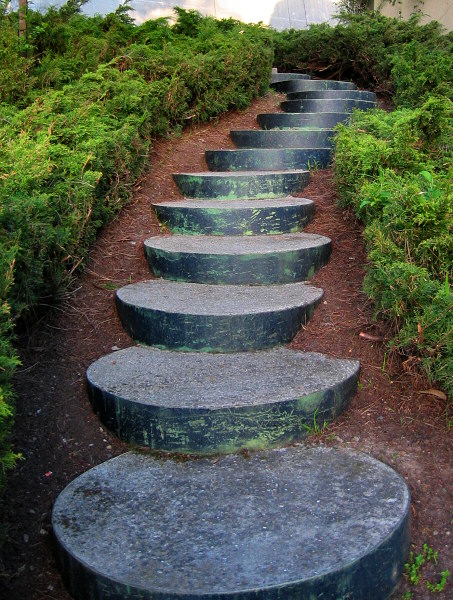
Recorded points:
59,436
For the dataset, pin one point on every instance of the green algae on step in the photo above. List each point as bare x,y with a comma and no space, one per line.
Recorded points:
291,85
325,120
321,105
232,260
277,138
241,184
267,159
213,318
282,524
236,217
333,95
171,401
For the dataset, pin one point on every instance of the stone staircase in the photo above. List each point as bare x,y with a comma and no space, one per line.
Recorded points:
214,380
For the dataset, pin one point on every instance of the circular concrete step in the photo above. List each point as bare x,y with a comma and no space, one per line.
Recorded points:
238,260
241,184
289,524
235,217
333,95
325,120
299,85
214,318
267,159
209,403
276,138
321,105
232,260
277,77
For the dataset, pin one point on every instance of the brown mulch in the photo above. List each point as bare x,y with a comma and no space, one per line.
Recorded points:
59,436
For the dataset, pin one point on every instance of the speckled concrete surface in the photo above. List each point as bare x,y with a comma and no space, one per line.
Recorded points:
326,522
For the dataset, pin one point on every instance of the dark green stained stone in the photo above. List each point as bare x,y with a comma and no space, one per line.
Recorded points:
296,523
298,85
214,318
236,217
210,403
291,120
268,159
241,184
321,105
232,260
275,138
333,95
278,77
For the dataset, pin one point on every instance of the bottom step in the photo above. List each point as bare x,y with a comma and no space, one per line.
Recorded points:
288,524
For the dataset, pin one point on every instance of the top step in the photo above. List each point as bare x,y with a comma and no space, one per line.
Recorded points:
278,77
299,85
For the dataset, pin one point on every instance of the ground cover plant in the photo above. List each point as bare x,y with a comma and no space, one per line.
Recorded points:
395,169
76,127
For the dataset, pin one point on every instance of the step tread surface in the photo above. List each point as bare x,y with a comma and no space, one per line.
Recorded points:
333,95
236,217
286,120
240,174
222,300
185,380
236,204
325,522
242,184
301,137
312,84
267,158
236,245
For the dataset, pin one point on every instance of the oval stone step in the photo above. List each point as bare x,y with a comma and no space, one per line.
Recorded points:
277,77
235,217
325,120
276,138
292,523
333,95
241,184
321,105
214,318
170,401
268,159
249,260
296,85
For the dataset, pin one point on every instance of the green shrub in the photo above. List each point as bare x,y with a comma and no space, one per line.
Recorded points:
83,99
395,170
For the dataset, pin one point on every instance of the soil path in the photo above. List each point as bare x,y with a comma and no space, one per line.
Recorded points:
60,437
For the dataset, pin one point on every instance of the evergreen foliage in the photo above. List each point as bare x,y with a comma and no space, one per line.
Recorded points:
81,100
395,169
